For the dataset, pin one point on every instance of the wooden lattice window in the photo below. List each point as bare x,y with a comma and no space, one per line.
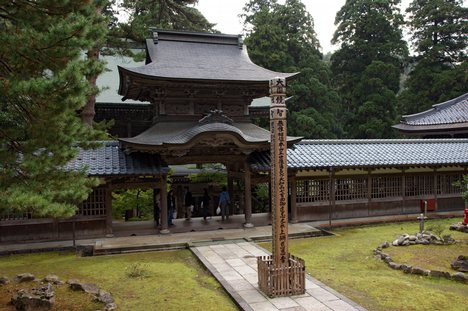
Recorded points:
417,185
313,190
386,187
352,188
95,205
15,216
445,184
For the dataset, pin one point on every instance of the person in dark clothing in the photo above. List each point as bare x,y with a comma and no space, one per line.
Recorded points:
156,208
188,203
205,203
170,207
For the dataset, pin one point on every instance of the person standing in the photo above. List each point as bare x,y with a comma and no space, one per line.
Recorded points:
170,207
188,203
223,203
156,208
205,203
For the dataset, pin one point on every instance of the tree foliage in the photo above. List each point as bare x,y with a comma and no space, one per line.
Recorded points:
42,85
439,70
368,64
282,38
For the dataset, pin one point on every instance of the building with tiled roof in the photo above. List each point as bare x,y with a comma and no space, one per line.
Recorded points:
447,119
191,104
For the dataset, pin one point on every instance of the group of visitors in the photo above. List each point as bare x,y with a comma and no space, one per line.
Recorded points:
222,209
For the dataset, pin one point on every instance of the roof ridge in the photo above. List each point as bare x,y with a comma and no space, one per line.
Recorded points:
381,141
436,107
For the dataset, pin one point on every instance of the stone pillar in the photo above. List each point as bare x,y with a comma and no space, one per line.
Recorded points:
164,215
109,231
247,196
279,172
293,185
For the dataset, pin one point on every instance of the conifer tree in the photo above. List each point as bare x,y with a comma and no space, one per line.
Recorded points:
42,85
367,65
282,38
439,70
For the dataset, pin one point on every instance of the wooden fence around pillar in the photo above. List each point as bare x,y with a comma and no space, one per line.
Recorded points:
278,281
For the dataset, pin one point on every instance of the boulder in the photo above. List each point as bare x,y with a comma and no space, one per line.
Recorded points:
38,299
461,264
395,243
104,297
439,274
401,240
394,265
460,277
24,277
406,268
4,280
110,307
87,288
52,278
419,271
385,245
412,238
405,243
388,259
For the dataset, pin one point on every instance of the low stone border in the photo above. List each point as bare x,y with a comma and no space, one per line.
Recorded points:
43,297
459,227
381,255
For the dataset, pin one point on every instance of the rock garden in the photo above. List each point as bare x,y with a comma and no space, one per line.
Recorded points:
456,269
31,294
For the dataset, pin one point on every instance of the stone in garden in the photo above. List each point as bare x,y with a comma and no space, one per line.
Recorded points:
87,288
38,299
460,276
401,240
4,280
439,274
385,244
24,277
395,243
104,297
388,259
412,238
406,268
461,264
52,278
405,243
110,307
394,265
419,271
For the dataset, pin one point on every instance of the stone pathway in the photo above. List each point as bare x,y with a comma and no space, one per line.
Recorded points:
235,266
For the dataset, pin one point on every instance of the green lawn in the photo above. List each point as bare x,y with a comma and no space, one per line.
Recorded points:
175,280
345,262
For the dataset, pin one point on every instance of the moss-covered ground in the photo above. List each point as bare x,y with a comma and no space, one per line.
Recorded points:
345,262
172,280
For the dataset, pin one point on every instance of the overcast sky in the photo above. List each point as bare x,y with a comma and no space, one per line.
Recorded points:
224,13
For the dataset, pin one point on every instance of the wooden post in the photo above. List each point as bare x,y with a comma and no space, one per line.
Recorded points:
435,189
230,189
109,232
247,196
164,215
279,171
369,191
331,194
403,191
293,185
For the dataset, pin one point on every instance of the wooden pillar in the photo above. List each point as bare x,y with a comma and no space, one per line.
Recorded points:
435,189
109,232
164,215
247,196
332,190
293,185
369,191
230,189
403,191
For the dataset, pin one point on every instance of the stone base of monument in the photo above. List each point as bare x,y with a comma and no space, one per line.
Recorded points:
283,280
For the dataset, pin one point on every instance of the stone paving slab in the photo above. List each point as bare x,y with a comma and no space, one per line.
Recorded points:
235,267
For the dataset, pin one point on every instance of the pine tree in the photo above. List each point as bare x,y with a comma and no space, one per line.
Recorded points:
42,85
282,38
367,65
439,69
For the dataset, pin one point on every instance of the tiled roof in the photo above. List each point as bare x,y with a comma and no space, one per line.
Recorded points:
109,159
452,111
179,133
319,154
199,56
